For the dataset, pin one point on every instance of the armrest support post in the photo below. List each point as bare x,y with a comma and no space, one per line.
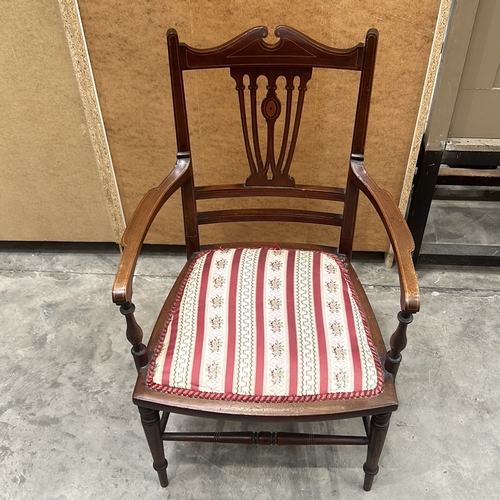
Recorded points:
398,343
134,336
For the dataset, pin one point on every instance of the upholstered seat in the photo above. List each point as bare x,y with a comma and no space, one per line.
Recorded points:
264,324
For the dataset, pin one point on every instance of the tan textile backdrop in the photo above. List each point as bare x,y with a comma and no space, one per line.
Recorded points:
126,42
52,185
50,188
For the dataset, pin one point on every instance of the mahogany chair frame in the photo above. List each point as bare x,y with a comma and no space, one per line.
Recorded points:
294,56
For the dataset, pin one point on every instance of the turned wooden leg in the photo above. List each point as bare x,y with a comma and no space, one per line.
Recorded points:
378,431
152,428
134,336
398,343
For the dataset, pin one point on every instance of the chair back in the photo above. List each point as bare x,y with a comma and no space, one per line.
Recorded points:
249,58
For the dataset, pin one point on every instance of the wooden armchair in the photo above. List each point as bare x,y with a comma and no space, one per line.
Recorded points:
268,331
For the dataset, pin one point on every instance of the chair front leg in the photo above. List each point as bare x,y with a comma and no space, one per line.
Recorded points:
378,431
150,420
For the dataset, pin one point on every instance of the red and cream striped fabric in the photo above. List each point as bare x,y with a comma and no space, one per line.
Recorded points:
261,324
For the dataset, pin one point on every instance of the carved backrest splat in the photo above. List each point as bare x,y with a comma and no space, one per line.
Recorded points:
271,169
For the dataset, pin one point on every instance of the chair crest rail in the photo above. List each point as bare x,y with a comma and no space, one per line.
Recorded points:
251,49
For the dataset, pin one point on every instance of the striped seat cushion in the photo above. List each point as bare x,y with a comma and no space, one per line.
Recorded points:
265,325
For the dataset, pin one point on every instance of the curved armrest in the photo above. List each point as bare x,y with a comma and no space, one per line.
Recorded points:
136,230
398,231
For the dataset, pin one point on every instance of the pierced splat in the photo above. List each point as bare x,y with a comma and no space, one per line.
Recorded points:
273,169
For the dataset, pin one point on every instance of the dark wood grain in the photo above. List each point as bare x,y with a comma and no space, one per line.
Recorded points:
250,49
265,438
265,214
299,191
141,221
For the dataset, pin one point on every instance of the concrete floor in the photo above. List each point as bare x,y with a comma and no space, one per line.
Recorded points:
68,429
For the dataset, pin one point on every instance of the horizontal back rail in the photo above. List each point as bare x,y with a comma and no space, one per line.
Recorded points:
266,214
241,190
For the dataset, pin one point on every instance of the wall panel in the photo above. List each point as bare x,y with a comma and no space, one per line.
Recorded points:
126,42
50,187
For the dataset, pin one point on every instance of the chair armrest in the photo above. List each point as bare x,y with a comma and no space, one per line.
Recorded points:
141,221
398,231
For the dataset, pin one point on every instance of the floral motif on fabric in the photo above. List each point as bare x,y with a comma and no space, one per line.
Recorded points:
336,329
216,322
277,376
217,301
331,268
221,264
277,349
215,345
339,351
276,325
333,306
219,281
275,284
276,265
275,304
213,371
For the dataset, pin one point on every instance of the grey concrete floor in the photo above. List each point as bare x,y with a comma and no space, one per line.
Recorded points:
68,429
